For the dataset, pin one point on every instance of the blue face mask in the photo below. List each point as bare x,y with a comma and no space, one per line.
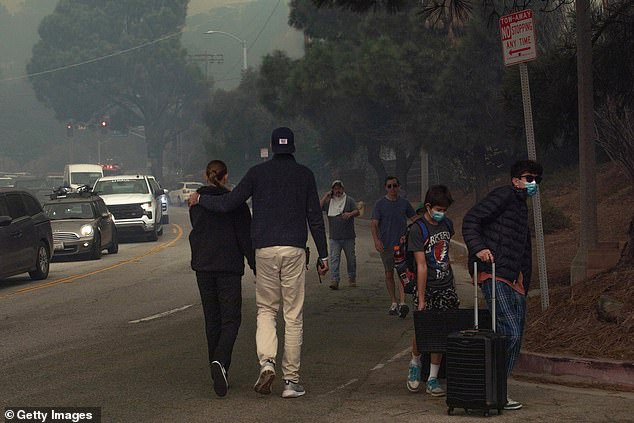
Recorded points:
437,216
531,188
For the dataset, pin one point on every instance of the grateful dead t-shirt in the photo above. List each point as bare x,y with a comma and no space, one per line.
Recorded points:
439,273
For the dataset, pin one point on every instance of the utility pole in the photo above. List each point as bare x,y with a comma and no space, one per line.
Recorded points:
587,155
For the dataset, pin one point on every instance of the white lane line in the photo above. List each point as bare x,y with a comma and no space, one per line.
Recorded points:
396,357
350,382
159,315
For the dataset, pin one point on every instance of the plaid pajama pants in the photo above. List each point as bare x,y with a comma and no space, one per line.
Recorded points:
510,314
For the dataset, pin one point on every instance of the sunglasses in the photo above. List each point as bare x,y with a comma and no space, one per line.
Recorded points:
390,186
531,178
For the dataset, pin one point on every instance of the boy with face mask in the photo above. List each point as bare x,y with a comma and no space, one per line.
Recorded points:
435,288
496,230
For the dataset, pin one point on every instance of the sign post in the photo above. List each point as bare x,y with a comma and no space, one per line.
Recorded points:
519,47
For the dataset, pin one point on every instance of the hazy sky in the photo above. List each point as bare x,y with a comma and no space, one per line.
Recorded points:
195,6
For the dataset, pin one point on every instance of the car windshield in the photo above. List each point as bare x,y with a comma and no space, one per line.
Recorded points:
85,178
69,211
195,185
122,186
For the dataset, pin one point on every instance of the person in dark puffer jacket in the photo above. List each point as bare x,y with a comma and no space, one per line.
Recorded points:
496,230
219,243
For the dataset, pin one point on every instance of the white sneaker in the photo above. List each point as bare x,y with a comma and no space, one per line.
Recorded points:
512,404
413,377
292,389
266,378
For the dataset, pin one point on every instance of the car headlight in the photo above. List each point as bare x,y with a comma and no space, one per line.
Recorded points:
86,230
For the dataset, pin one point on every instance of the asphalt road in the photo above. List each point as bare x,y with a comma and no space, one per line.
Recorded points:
125,333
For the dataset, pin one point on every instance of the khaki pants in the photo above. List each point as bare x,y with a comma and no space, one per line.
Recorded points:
281,274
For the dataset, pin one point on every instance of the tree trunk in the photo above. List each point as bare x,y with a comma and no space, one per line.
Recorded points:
374,158
627,255
155,144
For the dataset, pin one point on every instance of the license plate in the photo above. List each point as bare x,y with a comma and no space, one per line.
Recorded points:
58,246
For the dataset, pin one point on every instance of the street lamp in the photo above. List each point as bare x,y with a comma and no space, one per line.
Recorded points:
241,41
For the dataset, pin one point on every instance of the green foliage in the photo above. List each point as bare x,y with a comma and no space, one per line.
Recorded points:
240,126
131,60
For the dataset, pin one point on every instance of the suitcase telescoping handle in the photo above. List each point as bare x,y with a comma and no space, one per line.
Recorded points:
475,294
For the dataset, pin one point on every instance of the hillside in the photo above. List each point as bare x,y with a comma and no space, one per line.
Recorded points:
570,325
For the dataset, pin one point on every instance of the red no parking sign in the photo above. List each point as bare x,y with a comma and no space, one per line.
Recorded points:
518,37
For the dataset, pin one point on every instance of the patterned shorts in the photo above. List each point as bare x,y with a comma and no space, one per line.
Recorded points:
438,299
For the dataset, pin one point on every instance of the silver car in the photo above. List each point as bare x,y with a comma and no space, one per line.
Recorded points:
82,226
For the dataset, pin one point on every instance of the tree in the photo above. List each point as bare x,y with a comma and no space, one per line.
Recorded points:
240,126
614,41
362,85
100,57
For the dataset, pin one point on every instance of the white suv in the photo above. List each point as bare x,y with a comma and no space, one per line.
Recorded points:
135,202
180,194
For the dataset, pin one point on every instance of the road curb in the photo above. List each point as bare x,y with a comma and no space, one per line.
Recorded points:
618,375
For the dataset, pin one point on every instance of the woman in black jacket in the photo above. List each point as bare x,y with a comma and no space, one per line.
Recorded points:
219,243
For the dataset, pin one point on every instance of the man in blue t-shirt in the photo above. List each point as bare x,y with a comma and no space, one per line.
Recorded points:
389,222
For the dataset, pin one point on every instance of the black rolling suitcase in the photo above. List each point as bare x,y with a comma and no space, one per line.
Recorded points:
476,365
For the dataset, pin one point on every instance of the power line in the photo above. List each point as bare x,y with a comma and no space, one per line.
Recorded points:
97,59
224,77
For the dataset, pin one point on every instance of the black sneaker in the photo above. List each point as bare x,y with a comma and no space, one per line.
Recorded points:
219,375
403,309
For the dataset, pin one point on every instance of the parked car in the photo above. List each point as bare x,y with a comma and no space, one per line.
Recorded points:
26,239
134,202
162,198
82,225
180,194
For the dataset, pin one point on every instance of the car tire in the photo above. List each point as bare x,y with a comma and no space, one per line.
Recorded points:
153,236
96,247
114,247
42,263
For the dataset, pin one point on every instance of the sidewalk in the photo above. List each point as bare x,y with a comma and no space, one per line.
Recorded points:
554,369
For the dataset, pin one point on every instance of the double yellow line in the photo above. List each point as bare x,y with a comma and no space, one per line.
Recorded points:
70,279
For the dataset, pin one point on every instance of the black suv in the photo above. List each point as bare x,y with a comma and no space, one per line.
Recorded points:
82,225
26,239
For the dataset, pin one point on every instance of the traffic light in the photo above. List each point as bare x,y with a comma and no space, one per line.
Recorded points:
69,129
